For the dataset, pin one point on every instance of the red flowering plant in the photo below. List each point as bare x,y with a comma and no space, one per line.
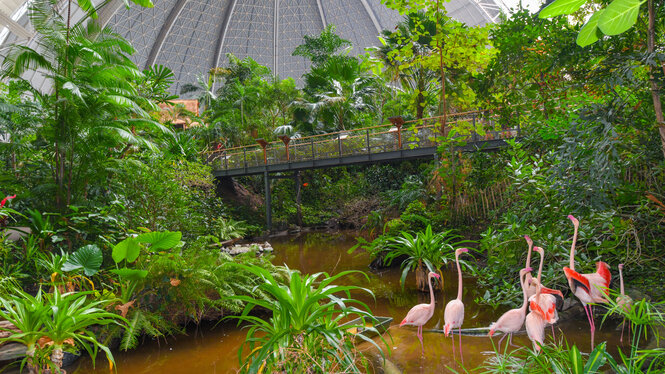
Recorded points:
5,212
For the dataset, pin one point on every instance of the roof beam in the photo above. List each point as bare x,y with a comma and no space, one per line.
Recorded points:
222,32
164,32
372,16
321,14
275,38
15,27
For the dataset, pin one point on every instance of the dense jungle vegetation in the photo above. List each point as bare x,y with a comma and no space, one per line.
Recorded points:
122,223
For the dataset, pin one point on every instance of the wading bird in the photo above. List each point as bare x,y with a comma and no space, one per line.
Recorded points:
588,288
421,313
547,302
512,320
535,324
624,301
454,313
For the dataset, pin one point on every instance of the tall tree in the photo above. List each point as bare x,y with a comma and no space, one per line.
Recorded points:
93,104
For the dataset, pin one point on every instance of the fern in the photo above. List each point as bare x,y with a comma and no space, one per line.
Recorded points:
141,322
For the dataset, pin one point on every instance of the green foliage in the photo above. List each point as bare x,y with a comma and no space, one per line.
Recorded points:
319,48
168,195
616,18
303,331
88,258
64,319
424,250
228,228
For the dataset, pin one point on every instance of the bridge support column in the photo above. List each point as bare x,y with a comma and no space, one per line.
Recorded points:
266,178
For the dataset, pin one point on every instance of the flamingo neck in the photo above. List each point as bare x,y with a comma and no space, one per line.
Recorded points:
431,292
528,255
621,281
523,282
572,250
459,278
540,267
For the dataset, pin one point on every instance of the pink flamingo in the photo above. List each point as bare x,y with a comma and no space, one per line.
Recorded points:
512,320
535,324
453,316
546,304
421,313
624,301
588,288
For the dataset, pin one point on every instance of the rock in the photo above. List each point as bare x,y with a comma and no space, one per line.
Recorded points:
13,234
237,249
11,351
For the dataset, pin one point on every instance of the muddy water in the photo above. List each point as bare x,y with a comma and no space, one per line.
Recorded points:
213,349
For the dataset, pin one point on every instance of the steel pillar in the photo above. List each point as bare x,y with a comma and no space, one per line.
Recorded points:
266,178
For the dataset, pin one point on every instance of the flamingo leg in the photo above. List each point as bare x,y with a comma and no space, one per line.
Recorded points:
553,335
593,326
587,309
420,337
452,338
623,324
510,341
460,345
500,340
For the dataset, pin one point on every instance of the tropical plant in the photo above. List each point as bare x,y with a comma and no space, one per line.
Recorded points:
92,105
426,251
87,258
303,333
49,324
228,228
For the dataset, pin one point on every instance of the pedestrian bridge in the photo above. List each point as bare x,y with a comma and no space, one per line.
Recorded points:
399,140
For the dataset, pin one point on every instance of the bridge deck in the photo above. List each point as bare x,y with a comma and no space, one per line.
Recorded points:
411,140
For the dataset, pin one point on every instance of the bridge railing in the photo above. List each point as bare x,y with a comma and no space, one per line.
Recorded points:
370,140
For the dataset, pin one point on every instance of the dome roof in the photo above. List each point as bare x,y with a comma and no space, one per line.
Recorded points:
192,36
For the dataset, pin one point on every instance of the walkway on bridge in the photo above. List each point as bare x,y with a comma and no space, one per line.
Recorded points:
397,141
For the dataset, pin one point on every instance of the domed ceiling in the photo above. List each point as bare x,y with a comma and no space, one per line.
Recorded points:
192,36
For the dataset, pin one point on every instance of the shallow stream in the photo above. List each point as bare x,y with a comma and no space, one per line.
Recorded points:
213,348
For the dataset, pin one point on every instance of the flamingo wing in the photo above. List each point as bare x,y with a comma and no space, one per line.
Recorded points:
603,270
578,279
418,315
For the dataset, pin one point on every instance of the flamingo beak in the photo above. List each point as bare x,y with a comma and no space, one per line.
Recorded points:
573,219
529,269
620,266
464,250
437,276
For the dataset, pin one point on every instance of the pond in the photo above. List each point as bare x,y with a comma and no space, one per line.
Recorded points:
213,348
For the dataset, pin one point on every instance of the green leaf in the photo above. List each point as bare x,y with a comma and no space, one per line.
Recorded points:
88,7
130,274
560,7
589,32
89,258
576,361
160,239
127,249
619,16
144,3
596,358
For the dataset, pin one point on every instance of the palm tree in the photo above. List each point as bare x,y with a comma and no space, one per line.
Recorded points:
413,76
94,104
204,90
345,100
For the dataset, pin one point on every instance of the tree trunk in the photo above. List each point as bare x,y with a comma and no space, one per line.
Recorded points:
655,95
57,356
421,278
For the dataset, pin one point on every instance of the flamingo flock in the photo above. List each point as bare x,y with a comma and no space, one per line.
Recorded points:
540,304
